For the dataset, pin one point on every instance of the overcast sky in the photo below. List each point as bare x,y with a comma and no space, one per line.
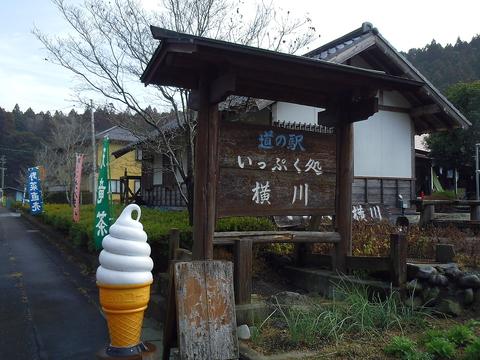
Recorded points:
27,79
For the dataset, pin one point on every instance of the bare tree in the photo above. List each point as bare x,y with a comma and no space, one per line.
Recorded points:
58,155
110,45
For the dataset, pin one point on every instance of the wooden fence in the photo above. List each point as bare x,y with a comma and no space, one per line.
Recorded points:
162,196
242,243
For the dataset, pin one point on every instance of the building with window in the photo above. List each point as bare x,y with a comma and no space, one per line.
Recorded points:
130,163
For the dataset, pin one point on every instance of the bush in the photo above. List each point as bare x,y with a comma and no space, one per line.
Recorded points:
157,224
472,351
401,347
460,335
441,348
432,334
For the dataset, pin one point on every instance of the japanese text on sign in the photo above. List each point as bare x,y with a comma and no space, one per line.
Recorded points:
269,140
34,191
275,171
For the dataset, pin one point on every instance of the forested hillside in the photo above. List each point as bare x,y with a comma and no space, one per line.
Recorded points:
445,66
23,134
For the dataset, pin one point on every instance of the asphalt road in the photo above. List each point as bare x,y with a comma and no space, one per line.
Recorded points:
48,306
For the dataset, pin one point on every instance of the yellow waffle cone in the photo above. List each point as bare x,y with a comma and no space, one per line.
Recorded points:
124,306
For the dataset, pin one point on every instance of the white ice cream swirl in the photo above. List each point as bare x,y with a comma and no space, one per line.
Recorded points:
125,258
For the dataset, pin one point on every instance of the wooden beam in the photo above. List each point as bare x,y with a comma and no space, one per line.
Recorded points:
206,171
219,90
273,91
354,50
356,110
363,109
222,87
425,110
398,109
228,238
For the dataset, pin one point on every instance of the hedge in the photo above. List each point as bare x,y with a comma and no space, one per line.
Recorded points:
156,223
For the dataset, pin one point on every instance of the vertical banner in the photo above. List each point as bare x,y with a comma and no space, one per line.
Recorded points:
102,206
34,191
76,189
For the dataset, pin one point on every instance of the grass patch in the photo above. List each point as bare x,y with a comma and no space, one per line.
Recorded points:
353,312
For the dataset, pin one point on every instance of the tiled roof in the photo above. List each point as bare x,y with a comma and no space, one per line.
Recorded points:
329,50
329,53
117,133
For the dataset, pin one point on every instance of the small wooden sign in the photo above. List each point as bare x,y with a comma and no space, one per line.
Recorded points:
205,301
275,171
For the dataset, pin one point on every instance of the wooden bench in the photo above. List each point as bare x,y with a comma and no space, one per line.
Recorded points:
242,243
243,254
426,208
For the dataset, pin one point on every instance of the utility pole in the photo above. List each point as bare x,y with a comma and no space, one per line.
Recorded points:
477,170
2,168
94,155
3,160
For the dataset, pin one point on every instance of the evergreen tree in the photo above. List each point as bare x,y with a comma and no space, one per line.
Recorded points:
455,149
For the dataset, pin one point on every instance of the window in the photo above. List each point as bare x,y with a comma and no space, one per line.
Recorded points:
138,153
114,186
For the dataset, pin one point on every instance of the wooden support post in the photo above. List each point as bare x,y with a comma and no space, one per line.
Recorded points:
343,216
206,170
474,212
381,191
243,271
397,191
173,244
427,214
300,250
170,325
398,259
366,191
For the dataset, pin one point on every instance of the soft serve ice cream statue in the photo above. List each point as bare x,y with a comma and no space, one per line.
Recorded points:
124,277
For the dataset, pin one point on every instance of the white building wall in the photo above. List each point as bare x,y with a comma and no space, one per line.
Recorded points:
282,111
382,143
383,146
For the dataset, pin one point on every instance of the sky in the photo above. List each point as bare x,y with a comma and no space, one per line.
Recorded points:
30,81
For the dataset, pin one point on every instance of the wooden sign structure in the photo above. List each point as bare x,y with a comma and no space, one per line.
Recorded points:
215,69
206,316
267,171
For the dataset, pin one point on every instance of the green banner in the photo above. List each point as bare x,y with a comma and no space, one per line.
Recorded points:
102,205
